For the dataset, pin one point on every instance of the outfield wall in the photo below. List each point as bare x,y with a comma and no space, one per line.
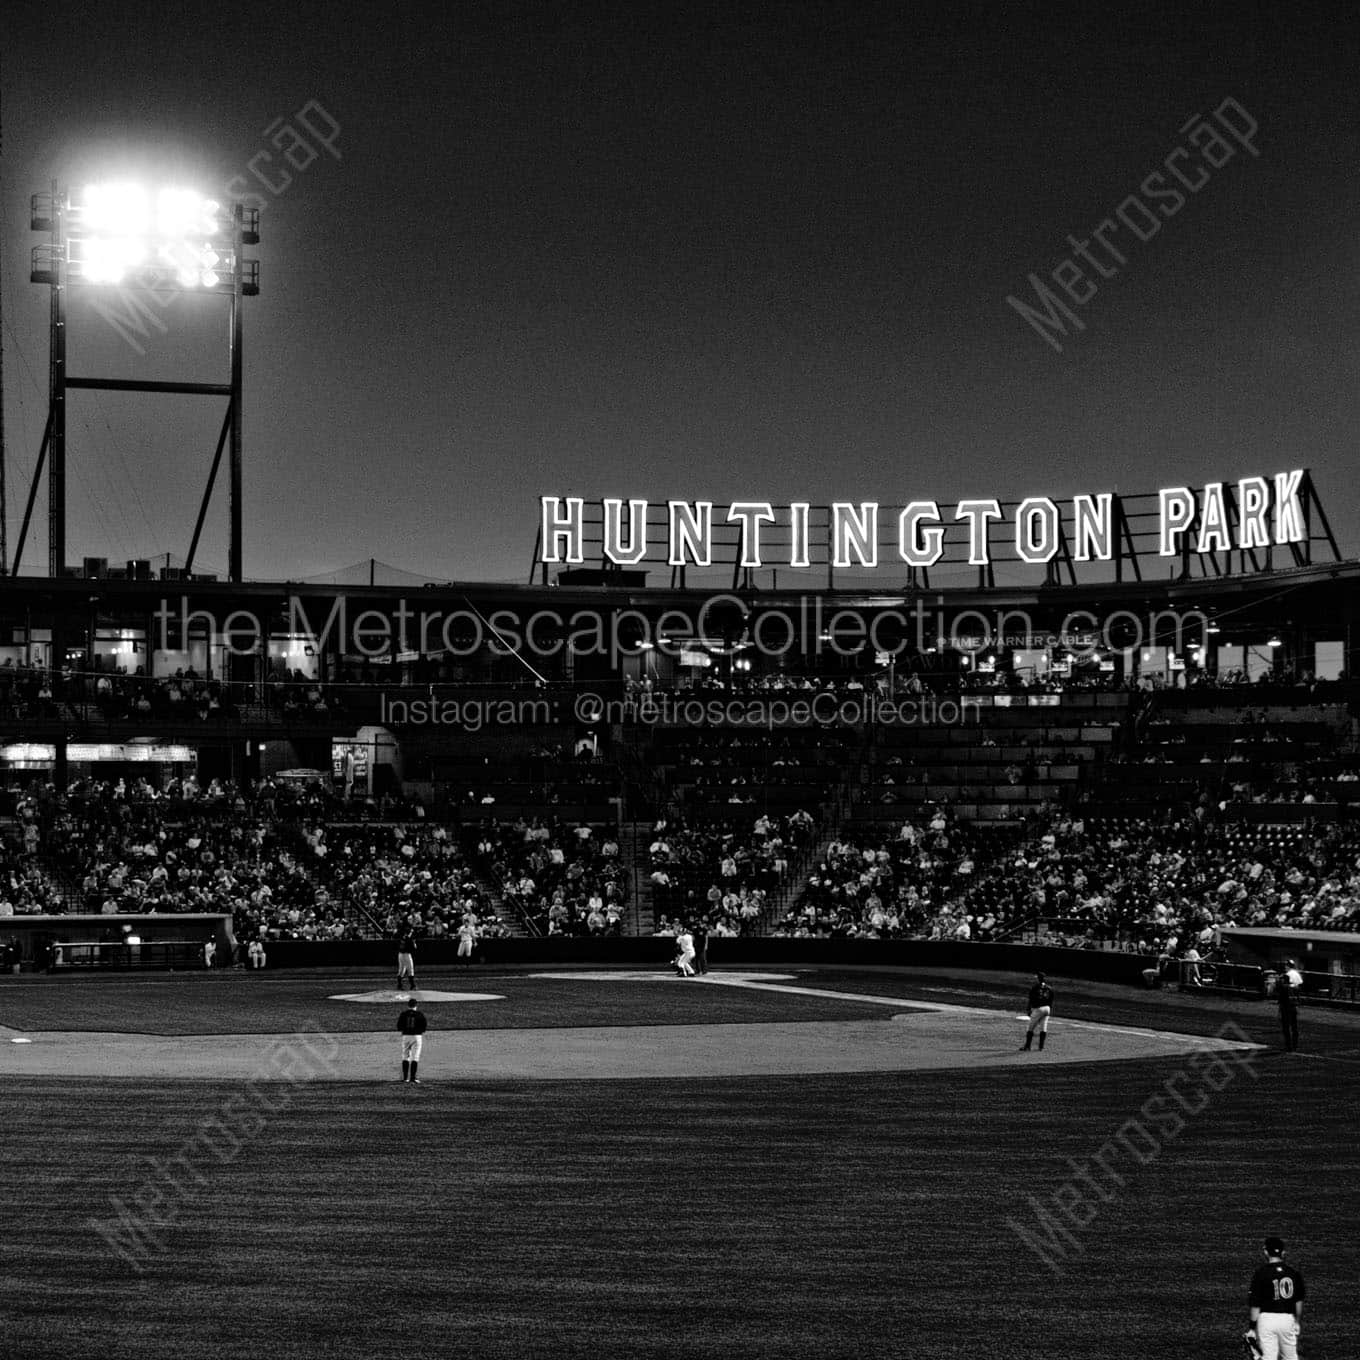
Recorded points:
657,951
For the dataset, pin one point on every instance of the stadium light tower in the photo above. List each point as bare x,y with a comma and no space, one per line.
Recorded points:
166,240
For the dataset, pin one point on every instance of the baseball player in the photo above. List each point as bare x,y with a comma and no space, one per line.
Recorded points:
684,960
1288,986
1277,1296
467,937
1040,1008
411,1025
406,958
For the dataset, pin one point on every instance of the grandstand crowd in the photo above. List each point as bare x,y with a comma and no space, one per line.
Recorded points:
1166,885
804,832
282,864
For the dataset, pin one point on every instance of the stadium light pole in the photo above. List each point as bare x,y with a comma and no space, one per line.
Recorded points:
123,235
234,489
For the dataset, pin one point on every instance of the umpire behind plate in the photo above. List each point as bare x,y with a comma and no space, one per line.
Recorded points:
1277,1295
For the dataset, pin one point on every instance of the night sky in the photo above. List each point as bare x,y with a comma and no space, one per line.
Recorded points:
727,253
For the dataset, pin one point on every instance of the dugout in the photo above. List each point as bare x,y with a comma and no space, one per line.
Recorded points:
128,942
1328,959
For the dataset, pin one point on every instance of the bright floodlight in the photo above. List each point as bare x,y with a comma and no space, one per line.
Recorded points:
184,213
130,210
114,210
109,259
122,227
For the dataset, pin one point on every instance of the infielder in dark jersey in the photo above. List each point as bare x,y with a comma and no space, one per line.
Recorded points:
1277,1295
406,962
1040,1008
411,1025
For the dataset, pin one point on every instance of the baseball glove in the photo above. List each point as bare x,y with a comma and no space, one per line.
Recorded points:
1251,1347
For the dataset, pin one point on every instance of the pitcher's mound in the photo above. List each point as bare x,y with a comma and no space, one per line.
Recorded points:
401,998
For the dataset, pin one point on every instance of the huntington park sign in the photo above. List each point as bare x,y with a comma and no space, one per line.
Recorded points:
1252,514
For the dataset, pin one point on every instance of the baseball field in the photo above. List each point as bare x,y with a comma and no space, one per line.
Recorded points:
813,1163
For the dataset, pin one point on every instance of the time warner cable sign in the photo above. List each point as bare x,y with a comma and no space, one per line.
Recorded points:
1252,513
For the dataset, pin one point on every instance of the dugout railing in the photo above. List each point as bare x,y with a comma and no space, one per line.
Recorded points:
1254,980
125,956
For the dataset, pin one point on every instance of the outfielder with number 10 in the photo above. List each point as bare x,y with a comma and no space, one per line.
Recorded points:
1277,1295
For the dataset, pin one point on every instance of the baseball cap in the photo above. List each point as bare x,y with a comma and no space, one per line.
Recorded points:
1274,1245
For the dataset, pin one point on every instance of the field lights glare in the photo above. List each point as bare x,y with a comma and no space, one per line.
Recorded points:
110,259
119,230
129,210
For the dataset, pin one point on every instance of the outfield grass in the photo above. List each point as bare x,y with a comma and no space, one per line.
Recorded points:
843,1216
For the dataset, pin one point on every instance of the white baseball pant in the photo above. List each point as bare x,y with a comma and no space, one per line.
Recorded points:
1278,1334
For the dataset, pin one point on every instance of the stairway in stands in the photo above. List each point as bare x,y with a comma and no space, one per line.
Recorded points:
783,898
640,914
511,916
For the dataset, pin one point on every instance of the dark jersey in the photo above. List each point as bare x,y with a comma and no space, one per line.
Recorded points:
411,1022
1286,994
406,945
1276,1288
1041,994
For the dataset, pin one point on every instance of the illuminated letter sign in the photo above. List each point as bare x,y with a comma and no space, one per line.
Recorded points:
1177,506
1288,511
1093,527
854,531
920,546
751,514
1213,522
563,529
691,533
977,513
1253,500
614,549
1036,530
1246,515
798,534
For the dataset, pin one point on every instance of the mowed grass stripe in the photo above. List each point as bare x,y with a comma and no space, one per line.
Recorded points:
841,1216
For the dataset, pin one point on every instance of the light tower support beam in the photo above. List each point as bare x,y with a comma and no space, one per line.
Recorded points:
234,414
56,460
